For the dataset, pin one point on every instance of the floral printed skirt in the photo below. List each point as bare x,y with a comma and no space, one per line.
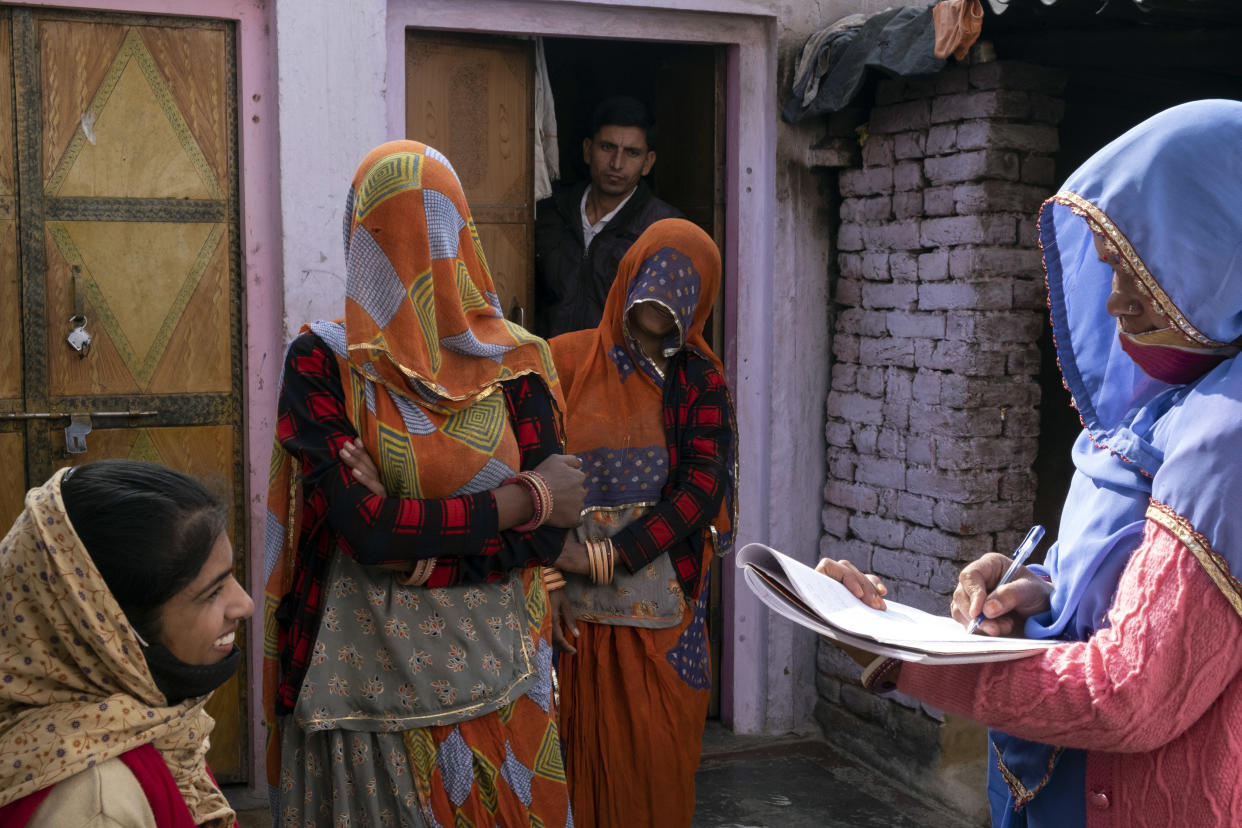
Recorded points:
503,767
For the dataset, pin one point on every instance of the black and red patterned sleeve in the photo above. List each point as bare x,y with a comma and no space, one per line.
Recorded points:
460,532
698,420
313,426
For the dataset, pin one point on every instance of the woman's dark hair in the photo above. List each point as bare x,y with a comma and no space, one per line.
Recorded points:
148,529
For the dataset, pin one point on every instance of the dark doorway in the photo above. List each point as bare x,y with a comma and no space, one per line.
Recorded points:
680,85
683,87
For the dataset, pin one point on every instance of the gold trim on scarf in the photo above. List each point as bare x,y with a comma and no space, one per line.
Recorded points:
1216,567
434,387
667,353
1116,242
1021,794
638,504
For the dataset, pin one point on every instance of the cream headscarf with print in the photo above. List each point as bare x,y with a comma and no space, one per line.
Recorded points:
75,689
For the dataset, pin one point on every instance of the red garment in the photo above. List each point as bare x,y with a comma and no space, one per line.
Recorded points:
633,724
18,812
167,804
1153,697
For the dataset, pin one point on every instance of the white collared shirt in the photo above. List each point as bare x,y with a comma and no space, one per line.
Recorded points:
589,230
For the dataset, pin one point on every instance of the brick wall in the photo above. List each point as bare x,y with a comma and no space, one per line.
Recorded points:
939,303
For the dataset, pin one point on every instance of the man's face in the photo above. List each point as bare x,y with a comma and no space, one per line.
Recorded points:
617,156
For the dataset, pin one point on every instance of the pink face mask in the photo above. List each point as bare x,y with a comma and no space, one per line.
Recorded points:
1175,364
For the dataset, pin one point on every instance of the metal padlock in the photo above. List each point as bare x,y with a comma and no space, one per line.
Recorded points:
75,433
79,339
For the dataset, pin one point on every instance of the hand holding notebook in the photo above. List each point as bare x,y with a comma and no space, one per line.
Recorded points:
822,604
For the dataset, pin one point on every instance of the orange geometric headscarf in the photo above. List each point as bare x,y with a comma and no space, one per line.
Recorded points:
421,313
422,319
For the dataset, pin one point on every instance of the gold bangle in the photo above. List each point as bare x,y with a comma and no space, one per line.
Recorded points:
545,493
419,575
601,560
552,579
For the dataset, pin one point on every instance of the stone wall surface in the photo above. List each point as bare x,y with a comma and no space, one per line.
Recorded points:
939,303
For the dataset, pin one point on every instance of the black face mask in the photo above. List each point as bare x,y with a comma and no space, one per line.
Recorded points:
179,681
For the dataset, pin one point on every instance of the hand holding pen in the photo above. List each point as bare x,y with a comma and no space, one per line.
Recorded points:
996,594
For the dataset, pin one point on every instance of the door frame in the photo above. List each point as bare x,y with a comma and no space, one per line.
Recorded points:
261,268
758,693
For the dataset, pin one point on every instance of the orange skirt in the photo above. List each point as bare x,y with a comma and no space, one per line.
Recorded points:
633,704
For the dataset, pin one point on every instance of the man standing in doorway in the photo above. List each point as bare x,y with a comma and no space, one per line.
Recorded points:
581,232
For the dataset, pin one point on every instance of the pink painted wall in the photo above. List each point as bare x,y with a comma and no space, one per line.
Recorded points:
263,337
335,87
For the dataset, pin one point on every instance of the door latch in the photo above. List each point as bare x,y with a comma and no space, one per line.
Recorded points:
75,433
79,423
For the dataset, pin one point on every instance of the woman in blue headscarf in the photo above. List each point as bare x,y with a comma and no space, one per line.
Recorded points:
1137,719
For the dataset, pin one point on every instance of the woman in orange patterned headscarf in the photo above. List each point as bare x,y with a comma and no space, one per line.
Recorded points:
408,644
649,415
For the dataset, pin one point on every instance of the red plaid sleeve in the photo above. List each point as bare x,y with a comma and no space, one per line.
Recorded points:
313,426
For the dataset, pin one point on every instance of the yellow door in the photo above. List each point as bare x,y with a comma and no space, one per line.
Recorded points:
473,99
118,205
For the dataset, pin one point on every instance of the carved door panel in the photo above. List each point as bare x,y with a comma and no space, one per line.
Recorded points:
124,139
474,99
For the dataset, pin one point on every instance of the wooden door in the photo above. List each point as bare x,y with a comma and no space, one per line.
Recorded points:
13,483
473,99
123,133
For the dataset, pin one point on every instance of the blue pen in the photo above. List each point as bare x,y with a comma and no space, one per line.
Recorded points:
1023,552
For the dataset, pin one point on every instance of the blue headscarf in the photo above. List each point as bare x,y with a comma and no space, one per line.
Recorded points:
1166,197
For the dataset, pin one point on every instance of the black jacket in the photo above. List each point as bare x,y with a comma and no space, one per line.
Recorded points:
571,285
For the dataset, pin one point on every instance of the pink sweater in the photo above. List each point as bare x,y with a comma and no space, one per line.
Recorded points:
1152,698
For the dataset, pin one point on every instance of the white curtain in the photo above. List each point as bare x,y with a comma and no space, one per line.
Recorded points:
547,156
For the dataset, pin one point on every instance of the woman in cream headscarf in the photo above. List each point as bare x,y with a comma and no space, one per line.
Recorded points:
119,613
409,647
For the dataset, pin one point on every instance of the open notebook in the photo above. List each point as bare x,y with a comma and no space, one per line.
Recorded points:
819,603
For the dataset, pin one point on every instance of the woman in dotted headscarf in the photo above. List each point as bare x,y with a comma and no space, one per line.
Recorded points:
650,417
